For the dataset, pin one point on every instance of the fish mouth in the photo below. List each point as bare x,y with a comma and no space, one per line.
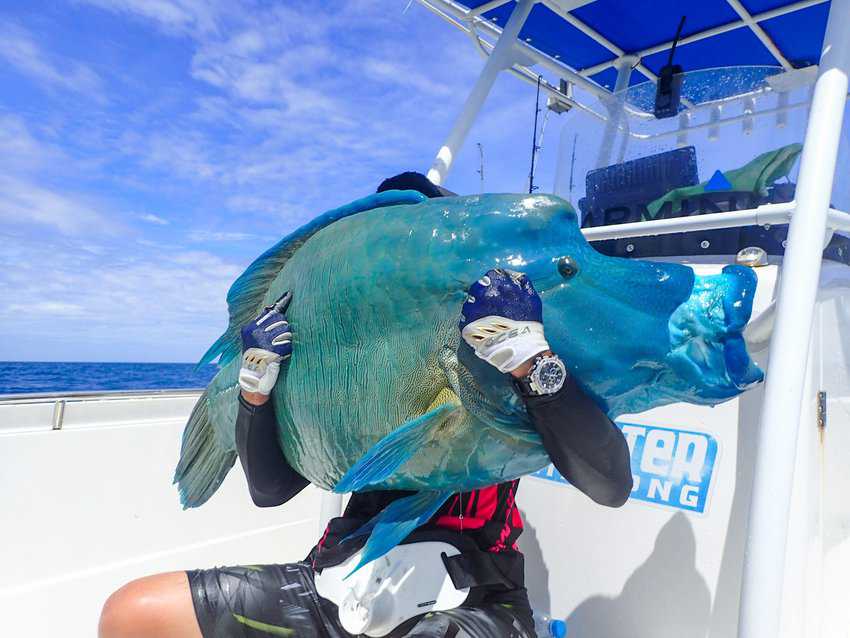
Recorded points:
707,346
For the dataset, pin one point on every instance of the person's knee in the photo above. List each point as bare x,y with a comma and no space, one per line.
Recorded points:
147,607
121,611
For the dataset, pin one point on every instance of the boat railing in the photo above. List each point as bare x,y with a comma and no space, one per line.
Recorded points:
21,413
98,395
765,215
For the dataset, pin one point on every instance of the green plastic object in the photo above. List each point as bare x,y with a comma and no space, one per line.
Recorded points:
753,177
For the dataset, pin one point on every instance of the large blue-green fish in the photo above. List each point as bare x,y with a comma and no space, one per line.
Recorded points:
381,392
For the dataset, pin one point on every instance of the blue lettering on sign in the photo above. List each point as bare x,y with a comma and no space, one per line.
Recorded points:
669,467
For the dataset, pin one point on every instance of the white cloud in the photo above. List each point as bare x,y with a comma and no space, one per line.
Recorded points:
52,309
302,106
24,202
403,75
153,219
174,16
204,236
188,152
20,50
270,78
21,150
158,304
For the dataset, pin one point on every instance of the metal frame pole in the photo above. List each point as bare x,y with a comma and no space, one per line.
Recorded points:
764,560
500,58
615,109
330,506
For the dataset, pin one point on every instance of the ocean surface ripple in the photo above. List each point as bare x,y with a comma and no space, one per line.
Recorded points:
19,377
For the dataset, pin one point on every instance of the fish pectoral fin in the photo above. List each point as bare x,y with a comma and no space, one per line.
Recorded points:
394,450
504,412
396,521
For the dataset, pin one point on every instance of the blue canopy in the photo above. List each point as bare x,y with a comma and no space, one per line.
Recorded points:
794,31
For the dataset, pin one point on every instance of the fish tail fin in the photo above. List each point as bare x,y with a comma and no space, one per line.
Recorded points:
396,521
203,461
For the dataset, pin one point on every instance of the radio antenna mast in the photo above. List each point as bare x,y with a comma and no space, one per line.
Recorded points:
481,167
534,147
573,167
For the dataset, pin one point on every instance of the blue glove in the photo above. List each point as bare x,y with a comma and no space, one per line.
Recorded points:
502,319
266,342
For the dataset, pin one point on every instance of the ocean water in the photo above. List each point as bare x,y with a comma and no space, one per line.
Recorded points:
17,377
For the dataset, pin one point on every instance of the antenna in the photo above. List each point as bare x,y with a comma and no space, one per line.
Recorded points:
481,166
573,167
534,147
675,41
668,91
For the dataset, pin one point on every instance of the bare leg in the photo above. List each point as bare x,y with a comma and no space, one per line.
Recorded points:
158,606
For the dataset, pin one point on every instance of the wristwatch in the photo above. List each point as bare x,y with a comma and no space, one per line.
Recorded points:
547,375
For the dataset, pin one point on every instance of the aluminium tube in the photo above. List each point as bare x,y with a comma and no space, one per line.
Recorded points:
501,57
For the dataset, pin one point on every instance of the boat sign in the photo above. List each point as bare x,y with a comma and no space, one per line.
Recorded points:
670,467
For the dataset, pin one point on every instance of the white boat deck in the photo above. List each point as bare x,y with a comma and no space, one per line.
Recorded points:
90,506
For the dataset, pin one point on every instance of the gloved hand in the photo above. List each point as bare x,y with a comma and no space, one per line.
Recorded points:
266,342
502,319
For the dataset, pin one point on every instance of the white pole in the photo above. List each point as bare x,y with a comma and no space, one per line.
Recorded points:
764,559
615,109
764,214
330,507
501,57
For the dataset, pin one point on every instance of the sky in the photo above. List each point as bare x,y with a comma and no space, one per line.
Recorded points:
151,149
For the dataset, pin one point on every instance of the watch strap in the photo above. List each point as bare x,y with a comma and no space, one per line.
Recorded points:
523,387
523,383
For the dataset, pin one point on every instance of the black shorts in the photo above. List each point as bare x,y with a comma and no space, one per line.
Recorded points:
259,601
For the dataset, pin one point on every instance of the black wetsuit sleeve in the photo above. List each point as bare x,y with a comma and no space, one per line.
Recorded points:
586,447
271,480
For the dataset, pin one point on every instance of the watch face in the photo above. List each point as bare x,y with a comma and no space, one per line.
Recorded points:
549,375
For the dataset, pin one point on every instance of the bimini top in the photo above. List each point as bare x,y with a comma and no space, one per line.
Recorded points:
590,36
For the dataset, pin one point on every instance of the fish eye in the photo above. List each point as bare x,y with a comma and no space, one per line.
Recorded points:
567,267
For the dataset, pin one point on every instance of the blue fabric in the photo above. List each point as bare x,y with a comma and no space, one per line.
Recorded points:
608,78
799,35
635,26
547,32
734,48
